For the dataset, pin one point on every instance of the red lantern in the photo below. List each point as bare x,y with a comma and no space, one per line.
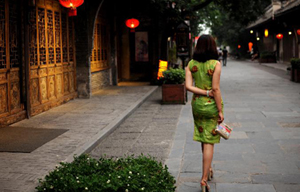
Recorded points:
132,23
239,46
298,31
279,36
71,4
250,45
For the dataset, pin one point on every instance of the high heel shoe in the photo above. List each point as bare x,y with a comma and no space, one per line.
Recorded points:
205,187
210,175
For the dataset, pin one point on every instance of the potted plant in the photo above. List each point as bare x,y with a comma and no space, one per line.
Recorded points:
173,88
267,57
295,70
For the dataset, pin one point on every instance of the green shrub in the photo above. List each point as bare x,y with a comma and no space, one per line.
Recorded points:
267,55
173,76
295,62
128,174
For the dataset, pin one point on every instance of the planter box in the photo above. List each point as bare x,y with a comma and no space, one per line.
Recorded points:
296,75
173,94
267,60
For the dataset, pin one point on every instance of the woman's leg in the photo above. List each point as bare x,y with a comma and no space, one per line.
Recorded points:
208,151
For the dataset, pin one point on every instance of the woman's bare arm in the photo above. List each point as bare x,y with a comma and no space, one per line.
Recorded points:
189,84
216,90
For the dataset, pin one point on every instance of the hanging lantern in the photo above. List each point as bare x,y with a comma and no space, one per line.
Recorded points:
250,45
298,31
279,36
290,33
266,32
239,46
132,23
251,31
72,5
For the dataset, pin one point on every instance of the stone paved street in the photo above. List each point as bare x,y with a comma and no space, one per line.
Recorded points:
87,121
263,153
149,130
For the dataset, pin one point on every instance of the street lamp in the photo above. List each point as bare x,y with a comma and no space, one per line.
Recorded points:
266,32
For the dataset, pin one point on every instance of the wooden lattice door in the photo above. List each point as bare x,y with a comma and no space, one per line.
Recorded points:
10,61
52,56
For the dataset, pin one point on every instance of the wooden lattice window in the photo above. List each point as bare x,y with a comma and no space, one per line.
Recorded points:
2,35
52,55
99,57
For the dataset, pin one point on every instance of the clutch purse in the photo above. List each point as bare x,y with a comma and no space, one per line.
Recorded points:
223,130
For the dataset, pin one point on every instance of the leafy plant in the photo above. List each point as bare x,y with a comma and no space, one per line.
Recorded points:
295,62
173,76
267,55
128,174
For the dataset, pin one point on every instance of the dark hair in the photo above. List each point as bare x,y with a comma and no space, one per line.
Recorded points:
206,49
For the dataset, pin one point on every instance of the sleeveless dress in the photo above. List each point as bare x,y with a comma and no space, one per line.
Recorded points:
205,111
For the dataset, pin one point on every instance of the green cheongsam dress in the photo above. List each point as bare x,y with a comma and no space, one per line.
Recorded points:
205,111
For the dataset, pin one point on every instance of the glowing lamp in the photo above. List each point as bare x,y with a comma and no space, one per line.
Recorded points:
250,45
298,31
290,33
251,31
257,38
279,36
163,66
266,32
132,23
239,46
72,5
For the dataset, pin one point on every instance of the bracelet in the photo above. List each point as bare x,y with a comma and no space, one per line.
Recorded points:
207,93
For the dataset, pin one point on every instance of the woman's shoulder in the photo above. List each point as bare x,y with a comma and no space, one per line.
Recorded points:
213,62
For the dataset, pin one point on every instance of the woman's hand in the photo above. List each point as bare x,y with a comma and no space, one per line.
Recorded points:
221,117
211,93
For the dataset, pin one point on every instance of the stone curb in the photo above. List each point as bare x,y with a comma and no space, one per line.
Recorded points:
174,161
87,147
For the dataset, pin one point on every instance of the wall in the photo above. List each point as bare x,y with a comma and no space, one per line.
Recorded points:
101,79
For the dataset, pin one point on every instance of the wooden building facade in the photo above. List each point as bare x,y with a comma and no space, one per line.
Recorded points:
48,58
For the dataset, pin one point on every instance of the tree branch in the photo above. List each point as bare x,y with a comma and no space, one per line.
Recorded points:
201,5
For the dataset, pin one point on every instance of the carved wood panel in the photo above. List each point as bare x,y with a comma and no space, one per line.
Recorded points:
10,57
99,56
53,49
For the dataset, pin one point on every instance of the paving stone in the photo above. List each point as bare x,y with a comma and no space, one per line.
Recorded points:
230,187
286,188
277,178
193,187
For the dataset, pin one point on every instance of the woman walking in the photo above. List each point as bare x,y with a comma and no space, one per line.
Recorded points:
205,70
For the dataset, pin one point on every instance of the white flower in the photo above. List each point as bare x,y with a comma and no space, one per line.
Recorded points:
45,189
128,185
86,188
119,177
97,164
126,190
130,172
108,181
144,175
88,159
51,187
77,178
78,181
142,188
138,173
129,177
